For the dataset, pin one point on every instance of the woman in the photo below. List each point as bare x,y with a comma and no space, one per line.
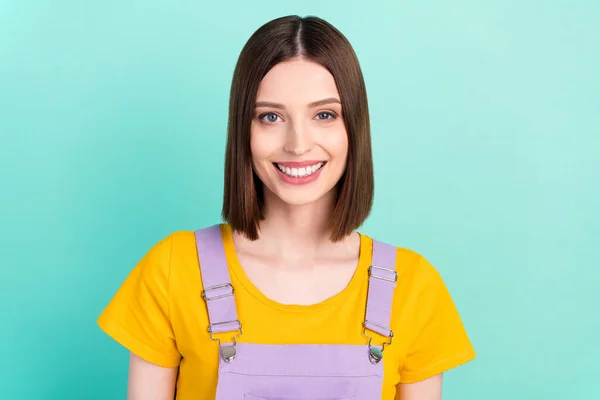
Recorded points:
285,299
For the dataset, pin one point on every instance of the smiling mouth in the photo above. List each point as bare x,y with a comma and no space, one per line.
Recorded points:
299,172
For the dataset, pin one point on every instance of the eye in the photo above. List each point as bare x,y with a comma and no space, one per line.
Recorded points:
269,117
325,115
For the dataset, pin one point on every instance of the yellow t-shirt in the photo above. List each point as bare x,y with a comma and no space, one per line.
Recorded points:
159,314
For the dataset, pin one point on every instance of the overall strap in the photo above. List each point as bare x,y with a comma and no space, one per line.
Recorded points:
382,282
218,292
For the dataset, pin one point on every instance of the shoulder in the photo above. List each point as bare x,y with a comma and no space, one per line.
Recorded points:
408,262
415,272
182,241
182,247
171,251
176,242
412,264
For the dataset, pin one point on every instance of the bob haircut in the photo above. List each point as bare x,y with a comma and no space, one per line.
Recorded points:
279,40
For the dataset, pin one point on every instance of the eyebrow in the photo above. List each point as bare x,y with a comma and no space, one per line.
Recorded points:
317,103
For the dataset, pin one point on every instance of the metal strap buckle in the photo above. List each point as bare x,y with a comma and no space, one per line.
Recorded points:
228,352
220,296
375,355
385,278
239,328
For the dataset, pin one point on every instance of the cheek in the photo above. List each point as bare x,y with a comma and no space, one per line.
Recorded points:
337,145
262,148
258,147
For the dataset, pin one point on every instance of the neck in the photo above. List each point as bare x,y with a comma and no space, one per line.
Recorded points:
297,225
295,231
297,234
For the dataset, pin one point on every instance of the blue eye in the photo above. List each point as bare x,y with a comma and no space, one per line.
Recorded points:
323,116
270,117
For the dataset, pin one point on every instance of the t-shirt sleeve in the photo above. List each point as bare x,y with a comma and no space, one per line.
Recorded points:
138,317
439,340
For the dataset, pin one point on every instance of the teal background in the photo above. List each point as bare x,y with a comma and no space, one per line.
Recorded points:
486,143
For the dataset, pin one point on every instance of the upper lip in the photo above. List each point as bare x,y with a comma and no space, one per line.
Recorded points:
298,164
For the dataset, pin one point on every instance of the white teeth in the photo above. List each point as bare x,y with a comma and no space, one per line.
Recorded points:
300,172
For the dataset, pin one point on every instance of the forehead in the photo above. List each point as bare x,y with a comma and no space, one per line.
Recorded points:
297,82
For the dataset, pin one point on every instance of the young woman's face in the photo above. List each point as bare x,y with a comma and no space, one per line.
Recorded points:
298,140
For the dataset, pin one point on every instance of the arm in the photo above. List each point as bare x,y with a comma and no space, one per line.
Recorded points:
428,389
148,381
138,317
438,340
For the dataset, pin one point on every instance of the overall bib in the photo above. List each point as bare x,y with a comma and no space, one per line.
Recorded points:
295,372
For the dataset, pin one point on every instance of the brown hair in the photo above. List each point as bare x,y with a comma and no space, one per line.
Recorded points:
279,40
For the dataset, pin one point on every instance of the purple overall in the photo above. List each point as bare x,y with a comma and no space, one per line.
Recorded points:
295,372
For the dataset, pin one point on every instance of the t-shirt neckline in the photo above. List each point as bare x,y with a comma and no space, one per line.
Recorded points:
238,273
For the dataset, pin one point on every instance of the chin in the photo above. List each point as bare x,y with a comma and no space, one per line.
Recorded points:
302,197
296,199
299,200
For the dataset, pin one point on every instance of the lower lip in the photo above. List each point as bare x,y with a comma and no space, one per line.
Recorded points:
301,180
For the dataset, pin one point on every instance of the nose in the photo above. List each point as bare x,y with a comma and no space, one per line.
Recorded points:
298,140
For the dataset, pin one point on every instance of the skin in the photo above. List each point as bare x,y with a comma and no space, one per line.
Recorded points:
293,248
294,261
